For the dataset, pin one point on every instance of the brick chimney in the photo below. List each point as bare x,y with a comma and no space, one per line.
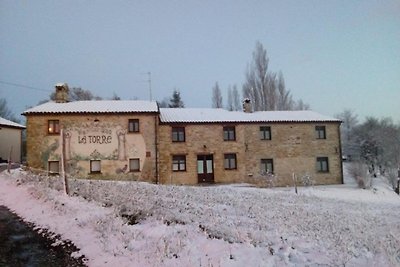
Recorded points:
247,106
62,91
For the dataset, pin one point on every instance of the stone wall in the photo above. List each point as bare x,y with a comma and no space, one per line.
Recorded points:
293,148
95,137
201,139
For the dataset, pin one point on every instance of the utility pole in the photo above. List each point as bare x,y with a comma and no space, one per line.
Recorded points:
149,80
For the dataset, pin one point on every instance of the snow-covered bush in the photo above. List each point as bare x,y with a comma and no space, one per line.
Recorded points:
392,177
307,180
265,179
359,172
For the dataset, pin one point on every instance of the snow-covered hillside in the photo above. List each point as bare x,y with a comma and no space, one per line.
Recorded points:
140,224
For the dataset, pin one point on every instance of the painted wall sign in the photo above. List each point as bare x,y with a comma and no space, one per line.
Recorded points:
94,139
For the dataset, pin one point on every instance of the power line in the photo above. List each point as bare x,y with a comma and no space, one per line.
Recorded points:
25,86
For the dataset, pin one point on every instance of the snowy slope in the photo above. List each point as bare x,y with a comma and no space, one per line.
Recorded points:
230,225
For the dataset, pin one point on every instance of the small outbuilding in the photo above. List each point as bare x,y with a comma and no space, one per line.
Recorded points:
10,140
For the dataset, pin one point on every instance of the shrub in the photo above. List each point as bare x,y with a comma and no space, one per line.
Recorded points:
359,172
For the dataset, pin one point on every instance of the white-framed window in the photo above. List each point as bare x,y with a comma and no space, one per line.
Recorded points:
95,166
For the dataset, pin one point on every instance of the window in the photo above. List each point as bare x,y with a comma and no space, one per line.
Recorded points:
322,164
230,161
178,134
133,126
95,166
134,165
179,163
53,127
320,132
229,133
54,167
265,132
267,165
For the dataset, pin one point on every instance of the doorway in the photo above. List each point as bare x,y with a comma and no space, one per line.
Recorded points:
205,168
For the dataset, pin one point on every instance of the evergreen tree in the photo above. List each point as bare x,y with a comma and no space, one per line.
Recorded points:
176,101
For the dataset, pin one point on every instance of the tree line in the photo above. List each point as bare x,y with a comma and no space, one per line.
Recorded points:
265,89
374,143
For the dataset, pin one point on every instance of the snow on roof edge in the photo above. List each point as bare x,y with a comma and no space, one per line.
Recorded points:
94,106
8,123
207,115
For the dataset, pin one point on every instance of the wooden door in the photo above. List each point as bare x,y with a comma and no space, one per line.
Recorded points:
205,168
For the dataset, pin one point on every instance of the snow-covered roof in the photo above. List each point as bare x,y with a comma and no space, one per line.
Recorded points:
212,115
8,123
98,106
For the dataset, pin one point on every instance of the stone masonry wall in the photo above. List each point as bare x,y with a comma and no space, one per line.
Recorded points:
102,137
293,148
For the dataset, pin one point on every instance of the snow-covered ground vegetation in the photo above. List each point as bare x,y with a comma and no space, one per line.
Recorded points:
141,224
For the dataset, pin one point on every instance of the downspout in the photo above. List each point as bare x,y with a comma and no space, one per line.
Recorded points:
156,145
340,152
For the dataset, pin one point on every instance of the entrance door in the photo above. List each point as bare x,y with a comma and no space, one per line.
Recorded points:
205,169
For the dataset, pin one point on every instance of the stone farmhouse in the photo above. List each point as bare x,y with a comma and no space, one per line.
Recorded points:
137,140
10,140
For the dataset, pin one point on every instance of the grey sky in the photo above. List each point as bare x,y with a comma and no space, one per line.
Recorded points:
333,54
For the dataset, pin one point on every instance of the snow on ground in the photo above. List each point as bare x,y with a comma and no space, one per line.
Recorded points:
141,224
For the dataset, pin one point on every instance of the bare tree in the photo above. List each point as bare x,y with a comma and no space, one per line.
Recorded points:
78,94
115,97
266,90
349,122
255,86
300,105
236,99
163,103
379,143
216,96
229,105
5,111
285,101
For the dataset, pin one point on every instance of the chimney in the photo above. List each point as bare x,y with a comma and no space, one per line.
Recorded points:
62,93
247,106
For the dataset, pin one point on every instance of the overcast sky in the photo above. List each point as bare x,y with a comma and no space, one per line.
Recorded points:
333,54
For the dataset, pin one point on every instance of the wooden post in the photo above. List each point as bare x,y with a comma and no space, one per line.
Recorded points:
9,160
63,175
295,183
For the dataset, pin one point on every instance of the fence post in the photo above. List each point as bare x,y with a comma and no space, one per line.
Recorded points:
295,182
63,175
9,160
